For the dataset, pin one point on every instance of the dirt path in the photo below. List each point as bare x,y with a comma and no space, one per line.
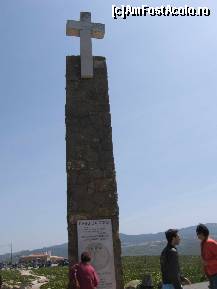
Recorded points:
197,286
38,282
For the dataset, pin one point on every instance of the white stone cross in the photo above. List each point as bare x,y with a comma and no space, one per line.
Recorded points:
85,30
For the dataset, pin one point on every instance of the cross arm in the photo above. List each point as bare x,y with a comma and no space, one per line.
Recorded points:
73,28
98,30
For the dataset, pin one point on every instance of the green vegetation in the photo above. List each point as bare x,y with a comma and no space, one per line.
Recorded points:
58,277
133,267
14,277
136,267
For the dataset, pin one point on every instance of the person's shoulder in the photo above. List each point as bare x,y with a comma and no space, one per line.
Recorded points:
165,249
173,251
211,242
90,267
169,251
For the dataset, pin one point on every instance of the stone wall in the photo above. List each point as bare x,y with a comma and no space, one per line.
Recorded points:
91,180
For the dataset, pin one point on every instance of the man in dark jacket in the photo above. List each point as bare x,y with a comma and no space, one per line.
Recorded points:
169,260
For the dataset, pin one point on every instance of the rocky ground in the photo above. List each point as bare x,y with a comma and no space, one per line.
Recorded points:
37,282
135,284
198,286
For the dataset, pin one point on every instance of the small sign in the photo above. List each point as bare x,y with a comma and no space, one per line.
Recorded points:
95,236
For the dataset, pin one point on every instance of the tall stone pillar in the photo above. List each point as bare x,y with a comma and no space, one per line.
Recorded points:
91,180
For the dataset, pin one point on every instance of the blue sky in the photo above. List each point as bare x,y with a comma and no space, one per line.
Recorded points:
162,86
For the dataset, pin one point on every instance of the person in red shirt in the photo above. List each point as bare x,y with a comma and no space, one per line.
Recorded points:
208,254
83,274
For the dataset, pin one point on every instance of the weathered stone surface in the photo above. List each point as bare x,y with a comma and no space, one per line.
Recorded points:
91,178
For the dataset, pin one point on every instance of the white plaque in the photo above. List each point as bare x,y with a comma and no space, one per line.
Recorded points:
95,236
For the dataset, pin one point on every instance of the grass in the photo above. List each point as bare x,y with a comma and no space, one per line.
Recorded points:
58,277
136,267
13,277
133,267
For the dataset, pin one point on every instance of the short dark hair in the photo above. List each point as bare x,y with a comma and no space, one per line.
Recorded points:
85,257
170,234
202,229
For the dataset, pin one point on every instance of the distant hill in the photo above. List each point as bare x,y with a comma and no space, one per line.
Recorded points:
152,244
135,245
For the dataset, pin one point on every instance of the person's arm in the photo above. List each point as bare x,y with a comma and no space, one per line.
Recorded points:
184,279
212,249
95,279
174,271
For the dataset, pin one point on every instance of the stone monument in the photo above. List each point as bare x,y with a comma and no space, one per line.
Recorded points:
92,208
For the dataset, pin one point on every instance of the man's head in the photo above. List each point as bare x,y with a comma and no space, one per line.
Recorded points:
173,237
85,257
202,232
